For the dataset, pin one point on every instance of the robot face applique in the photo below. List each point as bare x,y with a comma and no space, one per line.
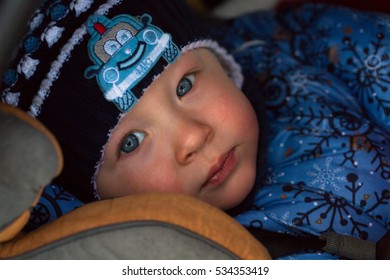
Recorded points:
124,50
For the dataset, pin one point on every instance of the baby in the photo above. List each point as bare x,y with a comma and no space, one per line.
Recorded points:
192,132
82,70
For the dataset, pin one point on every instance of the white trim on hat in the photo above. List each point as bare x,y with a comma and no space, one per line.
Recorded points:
226,59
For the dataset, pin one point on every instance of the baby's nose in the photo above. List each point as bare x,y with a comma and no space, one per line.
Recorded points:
190,138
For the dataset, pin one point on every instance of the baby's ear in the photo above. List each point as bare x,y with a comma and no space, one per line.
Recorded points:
30,157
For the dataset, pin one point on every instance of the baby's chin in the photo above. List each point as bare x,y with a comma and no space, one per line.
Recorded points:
235,195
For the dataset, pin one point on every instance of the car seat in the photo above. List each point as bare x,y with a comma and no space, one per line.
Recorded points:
145,226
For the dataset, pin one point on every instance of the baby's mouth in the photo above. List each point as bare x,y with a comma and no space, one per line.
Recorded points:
221,169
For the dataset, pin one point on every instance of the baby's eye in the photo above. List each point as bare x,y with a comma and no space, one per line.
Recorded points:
132,141
185,85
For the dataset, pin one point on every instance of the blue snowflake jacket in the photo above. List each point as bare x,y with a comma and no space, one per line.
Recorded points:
321,74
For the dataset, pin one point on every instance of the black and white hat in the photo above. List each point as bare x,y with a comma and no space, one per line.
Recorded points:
85,63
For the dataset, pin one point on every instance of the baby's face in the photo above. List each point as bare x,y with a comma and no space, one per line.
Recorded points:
192,132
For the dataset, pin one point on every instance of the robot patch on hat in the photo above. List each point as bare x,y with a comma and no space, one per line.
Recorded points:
124,50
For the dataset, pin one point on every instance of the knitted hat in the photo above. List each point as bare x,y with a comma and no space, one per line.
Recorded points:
85,63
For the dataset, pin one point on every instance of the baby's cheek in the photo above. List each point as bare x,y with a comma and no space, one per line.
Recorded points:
161,181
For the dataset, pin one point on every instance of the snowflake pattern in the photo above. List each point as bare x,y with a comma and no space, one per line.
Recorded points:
323,80
326,176
367,74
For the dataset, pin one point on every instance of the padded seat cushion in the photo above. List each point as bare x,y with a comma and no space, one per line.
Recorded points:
192,222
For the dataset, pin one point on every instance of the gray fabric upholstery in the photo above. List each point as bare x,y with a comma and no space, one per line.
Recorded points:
27,161
13,20
131,241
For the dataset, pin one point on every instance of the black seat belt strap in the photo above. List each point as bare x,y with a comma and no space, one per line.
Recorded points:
349,247
279,244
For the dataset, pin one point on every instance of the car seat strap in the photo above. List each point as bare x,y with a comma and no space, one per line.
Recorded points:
279,244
